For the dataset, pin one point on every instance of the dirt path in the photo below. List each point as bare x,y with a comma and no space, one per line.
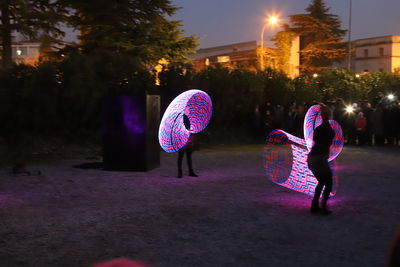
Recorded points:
229,216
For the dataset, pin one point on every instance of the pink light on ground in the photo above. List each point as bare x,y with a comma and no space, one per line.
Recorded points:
121,263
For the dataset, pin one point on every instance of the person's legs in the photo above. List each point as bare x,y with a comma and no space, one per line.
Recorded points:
322,172
189,162
180,158
313,165
327,173
317,194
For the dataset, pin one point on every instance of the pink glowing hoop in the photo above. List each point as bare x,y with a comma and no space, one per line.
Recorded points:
286,163
197,106
286,155
312,120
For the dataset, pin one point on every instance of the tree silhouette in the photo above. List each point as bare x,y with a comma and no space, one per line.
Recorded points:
320,37
138,28
28,18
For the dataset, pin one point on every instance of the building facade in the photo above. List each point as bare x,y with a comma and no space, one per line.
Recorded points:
245,55
377,54
26,52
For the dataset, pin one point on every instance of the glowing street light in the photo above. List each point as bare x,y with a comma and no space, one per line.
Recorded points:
349,109
390,97
315,75
272,20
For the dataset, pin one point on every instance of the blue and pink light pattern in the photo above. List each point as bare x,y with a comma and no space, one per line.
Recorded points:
286,155
312,120
197,106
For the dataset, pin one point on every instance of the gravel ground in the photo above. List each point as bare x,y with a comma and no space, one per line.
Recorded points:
229,216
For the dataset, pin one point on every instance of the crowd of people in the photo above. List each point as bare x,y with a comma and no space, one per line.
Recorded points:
363,122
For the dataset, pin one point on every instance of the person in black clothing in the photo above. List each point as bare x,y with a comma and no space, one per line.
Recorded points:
188,149
318,161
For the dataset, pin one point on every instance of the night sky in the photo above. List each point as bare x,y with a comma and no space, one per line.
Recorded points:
221,22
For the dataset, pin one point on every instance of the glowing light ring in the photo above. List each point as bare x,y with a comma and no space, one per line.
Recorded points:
338,140
197,106
311,121
286,155
286,163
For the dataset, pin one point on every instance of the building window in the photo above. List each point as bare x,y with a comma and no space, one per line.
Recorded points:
366,70
223,59
19,51
381,51
365,52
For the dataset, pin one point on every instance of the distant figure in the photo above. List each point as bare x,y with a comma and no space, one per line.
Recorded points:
188,148
360,124
318,161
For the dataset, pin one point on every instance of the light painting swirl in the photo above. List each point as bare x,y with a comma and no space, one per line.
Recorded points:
197,106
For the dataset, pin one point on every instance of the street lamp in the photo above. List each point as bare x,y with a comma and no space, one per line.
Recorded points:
272,21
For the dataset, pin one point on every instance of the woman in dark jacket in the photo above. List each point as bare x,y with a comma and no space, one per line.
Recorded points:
318,161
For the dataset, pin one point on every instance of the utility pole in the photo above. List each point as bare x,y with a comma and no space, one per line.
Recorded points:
349,40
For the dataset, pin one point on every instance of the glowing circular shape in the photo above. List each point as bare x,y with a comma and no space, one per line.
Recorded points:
338,140
286,155
285,163
197,106
312,120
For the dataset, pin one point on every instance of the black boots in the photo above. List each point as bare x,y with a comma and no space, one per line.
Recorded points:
316,209
191,173
324,210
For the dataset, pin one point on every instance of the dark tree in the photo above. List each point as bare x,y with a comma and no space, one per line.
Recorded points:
136,27
320,37
28,18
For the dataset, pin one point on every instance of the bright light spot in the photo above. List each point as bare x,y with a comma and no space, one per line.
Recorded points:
223,59
315,75
357,75
19,52
390,96
273,20
349,109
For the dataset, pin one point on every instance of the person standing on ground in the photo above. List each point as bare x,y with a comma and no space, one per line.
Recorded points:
360,124
318,161
188,149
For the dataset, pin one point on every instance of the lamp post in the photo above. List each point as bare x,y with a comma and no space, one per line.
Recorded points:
272,20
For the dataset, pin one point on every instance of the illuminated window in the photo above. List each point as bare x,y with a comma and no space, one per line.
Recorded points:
381,51
365,52
19,51
223,59
207,62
